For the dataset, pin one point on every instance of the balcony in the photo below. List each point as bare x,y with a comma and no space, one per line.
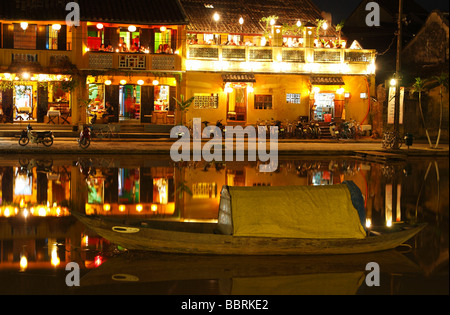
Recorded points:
35,60
279,60
133,61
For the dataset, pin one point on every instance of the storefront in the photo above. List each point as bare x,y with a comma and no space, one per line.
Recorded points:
40,98
132,100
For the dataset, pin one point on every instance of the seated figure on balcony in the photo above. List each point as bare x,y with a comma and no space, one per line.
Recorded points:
160,49
167,49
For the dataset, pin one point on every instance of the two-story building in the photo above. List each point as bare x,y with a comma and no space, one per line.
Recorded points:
127,55
254,61
242,62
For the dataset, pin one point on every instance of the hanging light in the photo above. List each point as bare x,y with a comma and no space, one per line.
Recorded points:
325,26
108,82
299,23
132,28
56,27
272,22
140,82
241,20
162,28
216,17
25,75
99,26
155,82
24,25
123,82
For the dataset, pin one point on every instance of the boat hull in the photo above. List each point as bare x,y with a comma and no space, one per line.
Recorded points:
165,241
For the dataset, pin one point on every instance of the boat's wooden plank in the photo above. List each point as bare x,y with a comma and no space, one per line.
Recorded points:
216,244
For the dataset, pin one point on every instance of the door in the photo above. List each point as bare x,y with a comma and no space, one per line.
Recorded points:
237,104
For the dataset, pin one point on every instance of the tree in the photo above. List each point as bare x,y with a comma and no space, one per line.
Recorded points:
419,87
183,106
442,80
339,28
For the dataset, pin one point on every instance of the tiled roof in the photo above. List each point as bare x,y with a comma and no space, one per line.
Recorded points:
144,12
200,14
327,80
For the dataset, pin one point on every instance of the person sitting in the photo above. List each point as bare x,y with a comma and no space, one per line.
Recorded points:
109,112
160,49
135,47
167,49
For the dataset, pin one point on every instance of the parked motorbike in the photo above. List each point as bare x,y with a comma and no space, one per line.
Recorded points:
346,132
85,137
314,131
218,124
221,126
44,137
281,129
300,131
334,131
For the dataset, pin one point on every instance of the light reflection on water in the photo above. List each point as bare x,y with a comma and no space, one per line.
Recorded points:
36,226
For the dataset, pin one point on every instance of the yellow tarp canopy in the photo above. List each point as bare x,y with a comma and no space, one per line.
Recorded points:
320,212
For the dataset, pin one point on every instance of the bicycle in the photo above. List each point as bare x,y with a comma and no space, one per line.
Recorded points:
390,138
106,132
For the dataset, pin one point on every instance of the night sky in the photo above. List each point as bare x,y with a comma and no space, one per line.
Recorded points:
341,9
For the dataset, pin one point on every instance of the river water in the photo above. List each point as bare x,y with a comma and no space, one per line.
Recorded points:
39,237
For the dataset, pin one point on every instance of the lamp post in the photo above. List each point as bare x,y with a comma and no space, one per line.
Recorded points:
398,76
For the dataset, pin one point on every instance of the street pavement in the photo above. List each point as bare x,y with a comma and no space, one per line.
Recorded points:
163,146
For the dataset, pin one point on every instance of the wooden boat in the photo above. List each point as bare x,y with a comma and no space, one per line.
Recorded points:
287,220
201,240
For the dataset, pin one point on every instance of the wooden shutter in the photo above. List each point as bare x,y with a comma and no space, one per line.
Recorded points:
152,41
145,38
42,37
42,99
174,39
62,38
8,36
112,96
147,103
111,37
7,104
172,94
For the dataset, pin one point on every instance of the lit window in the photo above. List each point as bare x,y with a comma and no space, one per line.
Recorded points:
293,98
263,101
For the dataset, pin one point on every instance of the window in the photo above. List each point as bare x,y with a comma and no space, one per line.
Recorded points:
263,101
52,39
203,101
293,98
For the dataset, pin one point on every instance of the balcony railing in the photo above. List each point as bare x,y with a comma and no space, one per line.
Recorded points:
131,61
43,58
279,59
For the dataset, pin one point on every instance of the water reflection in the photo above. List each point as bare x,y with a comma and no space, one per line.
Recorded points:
38,233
